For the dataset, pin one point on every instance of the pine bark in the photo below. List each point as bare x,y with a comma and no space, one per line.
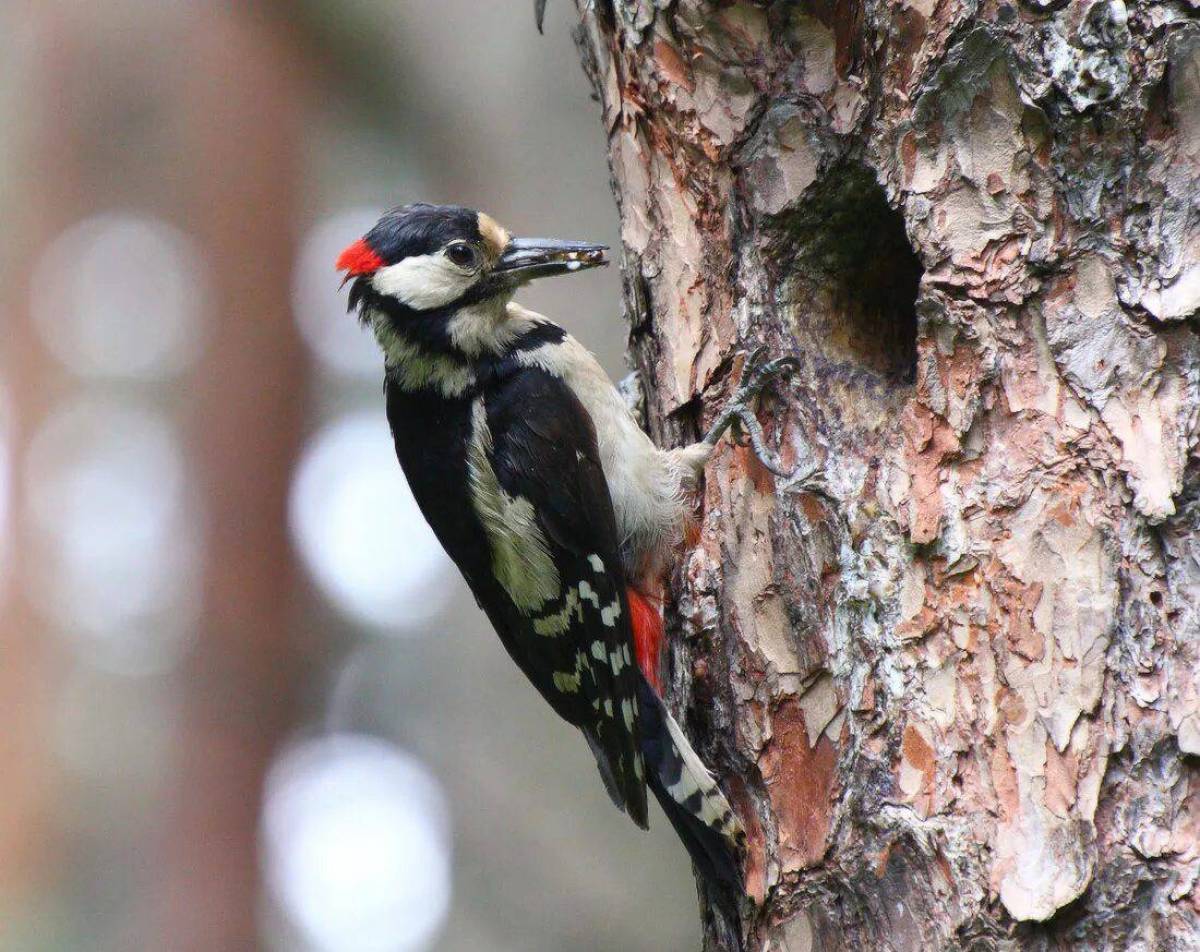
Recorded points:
952,680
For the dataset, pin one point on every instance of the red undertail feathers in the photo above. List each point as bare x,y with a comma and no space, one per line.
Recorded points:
647,627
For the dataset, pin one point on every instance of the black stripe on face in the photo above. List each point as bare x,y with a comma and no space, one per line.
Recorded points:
426,329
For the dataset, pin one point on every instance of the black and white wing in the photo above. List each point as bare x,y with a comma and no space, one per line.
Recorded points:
556,593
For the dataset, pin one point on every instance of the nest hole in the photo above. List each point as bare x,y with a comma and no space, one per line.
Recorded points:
852,254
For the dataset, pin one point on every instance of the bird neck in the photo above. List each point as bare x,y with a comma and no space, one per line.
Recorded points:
457,349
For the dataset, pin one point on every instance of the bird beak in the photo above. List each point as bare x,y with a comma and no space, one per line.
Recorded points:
527,258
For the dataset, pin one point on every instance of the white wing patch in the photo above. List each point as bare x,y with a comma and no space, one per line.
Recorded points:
568,682
628,710
610,613
520,554
556,623
577,599
587,593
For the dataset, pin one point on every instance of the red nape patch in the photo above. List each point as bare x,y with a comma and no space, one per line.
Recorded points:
359,258
647,625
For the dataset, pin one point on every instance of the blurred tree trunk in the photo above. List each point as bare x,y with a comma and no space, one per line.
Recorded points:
242,120
955,691
44,156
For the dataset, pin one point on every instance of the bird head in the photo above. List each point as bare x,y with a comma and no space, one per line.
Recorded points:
441,258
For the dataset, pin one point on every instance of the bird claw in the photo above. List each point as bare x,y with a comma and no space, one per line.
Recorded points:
738,413
539,14
759,372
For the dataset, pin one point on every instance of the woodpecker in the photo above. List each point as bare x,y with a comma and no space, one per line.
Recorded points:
544,490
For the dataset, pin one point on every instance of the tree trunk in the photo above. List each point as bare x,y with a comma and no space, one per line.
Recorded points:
952,689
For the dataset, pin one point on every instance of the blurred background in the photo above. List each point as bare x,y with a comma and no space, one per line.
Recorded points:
247,702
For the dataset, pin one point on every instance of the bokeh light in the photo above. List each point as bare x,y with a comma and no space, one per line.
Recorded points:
114,537
338,340
121,296
360,532
356,845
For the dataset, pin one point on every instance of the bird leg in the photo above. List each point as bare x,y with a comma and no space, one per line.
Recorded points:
634,395
739,412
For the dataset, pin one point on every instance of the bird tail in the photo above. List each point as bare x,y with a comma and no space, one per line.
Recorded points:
693,802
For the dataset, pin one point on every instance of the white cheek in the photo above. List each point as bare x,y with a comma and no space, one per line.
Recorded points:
423,282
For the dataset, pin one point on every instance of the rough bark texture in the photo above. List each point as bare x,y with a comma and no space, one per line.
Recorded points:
955,692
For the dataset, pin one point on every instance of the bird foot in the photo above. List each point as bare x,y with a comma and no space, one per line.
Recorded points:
739,413
539,13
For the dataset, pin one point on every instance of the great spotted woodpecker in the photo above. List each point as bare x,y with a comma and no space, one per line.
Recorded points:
545,491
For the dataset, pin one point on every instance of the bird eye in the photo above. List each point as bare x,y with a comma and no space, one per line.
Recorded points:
463,255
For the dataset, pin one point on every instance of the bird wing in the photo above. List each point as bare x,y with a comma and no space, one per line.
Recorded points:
540,491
